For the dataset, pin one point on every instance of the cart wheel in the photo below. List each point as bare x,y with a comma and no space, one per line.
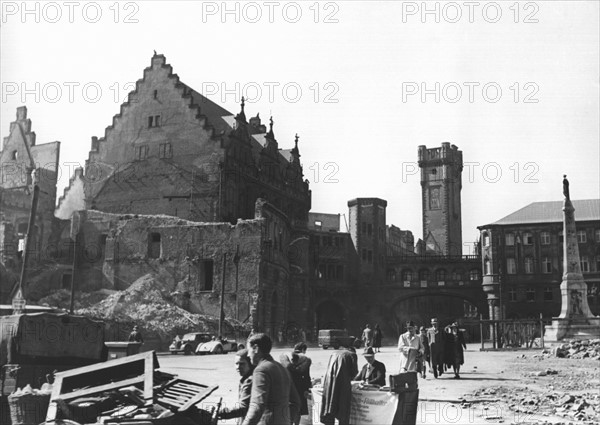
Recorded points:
187,350
325,347
218,349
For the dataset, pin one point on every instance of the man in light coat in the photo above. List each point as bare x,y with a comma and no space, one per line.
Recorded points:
410,347
274,400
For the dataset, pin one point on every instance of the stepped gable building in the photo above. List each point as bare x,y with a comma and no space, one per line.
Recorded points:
171,154
522,258
18,151
172,151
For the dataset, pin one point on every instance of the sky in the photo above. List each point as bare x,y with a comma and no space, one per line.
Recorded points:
515,85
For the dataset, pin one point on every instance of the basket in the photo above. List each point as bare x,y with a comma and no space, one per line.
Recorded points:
28,409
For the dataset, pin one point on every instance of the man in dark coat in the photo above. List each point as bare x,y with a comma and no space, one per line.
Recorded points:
244,367
373,372
274,400
337,388
436,340
456,347
298,364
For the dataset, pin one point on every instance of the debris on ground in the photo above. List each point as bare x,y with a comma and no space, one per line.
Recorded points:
561,382
148,303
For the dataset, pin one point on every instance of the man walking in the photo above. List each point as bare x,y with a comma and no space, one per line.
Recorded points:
410,347
367,336
274,400
436,340
244,367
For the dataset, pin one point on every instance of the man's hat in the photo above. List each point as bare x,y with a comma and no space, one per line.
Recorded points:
410,324
369,352
454,325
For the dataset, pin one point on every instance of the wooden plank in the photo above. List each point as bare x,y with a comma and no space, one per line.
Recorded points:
101,388
63,377
198,398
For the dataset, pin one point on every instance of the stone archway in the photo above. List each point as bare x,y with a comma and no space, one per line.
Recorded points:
446,307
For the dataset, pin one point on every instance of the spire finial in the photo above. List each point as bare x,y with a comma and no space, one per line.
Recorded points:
296,141
243,103
155,53
566,188
271,124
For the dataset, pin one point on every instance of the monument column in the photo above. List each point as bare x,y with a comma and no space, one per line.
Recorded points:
576,320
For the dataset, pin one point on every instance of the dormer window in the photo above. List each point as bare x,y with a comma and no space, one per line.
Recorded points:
14,155
156,94
154,121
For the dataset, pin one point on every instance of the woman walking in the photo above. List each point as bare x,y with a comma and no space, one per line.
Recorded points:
377,335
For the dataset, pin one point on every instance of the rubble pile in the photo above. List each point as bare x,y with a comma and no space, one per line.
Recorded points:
583,407
148,304
576,350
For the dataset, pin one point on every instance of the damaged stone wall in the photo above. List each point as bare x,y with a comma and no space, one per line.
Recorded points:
193,260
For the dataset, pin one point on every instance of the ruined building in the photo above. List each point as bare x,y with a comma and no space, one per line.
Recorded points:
20,155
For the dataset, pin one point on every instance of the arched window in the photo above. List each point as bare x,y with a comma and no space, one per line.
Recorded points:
440,274
407,275
457,274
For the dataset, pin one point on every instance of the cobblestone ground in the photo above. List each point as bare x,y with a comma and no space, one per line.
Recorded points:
524,387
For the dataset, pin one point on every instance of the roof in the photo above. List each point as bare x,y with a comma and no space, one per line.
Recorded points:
551,212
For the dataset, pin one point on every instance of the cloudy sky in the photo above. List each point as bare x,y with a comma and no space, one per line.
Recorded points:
515,85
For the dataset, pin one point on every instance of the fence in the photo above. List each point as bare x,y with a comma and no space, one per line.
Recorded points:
512,334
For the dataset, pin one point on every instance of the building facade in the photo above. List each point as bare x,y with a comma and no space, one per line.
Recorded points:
522,258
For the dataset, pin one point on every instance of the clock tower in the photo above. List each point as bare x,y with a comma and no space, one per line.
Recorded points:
441,183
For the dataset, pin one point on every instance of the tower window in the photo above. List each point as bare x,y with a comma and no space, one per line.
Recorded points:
154,121
546,265
511,266
155,94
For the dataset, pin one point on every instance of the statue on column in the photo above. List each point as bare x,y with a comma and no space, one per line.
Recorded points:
566,188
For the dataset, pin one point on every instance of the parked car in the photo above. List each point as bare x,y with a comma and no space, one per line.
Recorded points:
219,346
337,338
188,344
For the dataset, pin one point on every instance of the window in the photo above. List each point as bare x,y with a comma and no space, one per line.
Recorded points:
511,266
154,121
457,275
546,265
364,254
154,245
597,235
527,239
545,238
509,239
423,274
407,275
585,265
528,265
581,236
339,272
486,239
66,281
391,274
156,94
369,229
440,275
205,275
165,151
474,274
142,152
548,294
322,271
364,227
512,295
560,237
318,223
530,295
14,155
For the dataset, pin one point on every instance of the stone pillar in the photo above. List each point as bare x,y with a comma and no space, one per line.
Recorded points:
575,321
491,286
